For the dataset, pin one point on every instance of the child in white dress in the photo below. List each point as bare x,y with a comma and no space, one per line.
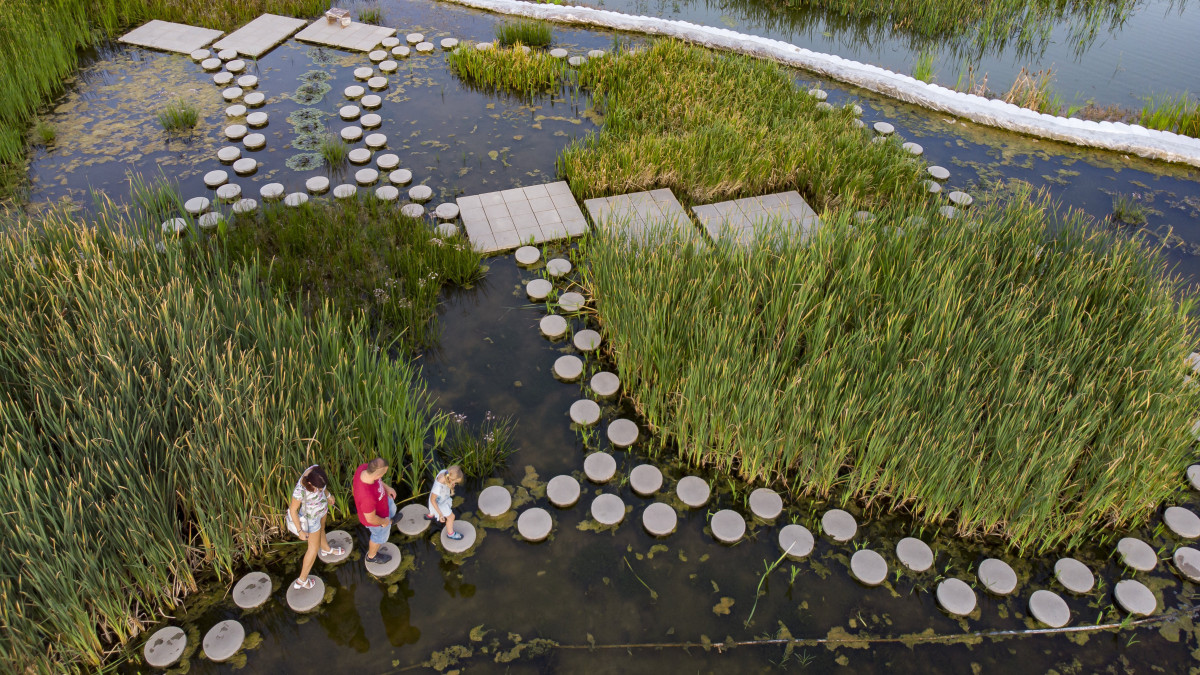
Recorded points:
441,496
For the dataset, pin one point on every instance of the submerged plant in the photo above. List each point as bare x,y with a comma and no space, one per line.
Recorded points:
307,120
316,75
1128,209
311,93
305,161
923,68
178,117
307,142
45,132
1179,114
524,32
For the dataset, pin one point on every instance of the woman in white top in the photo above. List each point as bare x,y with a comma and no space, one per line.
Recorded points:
306,517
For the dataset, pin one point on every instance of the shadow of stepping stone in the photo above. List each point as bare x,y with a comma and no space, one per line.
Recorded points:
223,640
411,522
252,590
535,524
165,647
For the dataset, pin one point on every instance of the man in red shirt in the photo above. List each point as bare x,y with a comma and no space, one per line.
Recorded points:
376,502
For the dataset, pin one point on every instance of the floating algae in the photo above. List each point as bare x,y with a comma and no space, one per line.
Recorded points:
311,93
322,56
316,76
307,142
305,161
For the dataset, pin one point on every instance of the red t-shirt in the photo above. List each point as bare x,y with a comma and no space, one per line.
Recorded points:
369,497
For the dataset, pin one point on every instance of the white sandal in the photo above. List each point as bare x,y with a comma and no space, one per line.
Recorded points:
304,585
336,550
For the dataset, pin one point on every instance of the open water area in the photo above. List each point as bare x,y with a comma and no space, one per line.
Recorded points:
617,600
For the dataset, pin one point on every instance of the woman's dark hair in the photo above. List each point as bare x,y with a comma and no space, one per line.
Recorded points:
314,479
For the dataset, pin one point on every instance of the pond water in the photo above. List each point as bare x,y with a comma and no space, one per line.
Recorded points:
593,594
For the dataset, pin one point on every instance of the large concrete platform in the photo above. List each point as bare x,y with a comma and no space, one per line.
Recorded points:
362,37
260,35
738,220
639,213
503,220
170,37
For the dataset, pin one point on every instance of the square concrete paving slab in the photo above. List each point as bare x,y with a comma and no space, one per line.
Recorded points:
638,213
170,37
362,37
260,35
499,221
740,219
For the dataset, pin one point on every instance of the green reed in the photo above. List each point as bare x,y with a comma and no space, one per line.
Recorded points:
371,15
178,117
480,453
509,70
1180,114
333,150
1015,380
524,32
923,68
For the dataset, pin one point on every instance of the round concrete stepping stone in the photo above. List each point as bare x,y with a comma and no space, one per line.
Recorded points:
388,66
1137,554
377,55
563,491
348,112
997,576
948,212
245,166
1182,522
351,134
344,191
306,599
824,107
223,640
410,521
232,93
864,216
223,78
766,504
538,290
446,211
859,124
622,433
482,46
914,554
1074,575
234,132
558,267
383,569
254,141
337,538
229,154
387,193
605,384
599,467
693,491
424,47
200,54
371,121
728,526
210,64
570,302
412,210
462,545
527,255
879,140
247,82
645,479
317,184
587,340
933,187
354,91
387,162
567,367
255,99
229,192
446,230
818,94
535,524
174,226
1049,608
196,205
1133,597
495,501
271,191
938,173
209,220
596,53
235,110
246,205
449,43
1187,561
377,83
1193,474
420,193
558,53
659,519
376,140
553,326
839,525
576,61
608,509
585,412
524,49
883,128
252,590
401,52
296,199
389,42
914,148
371,101
415,38
868,567
363,73
796,541
165,647
400,176
961,199
367,177
227,54
956,597
359,156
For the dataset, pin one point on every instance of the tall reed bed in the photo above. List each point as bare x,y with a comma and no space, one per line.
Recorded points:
1180,114
157,409
711,126
1009,379
508,70
524,32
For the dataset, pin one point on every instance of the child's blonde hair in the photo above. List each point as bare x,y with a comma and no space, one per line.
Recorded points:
454,472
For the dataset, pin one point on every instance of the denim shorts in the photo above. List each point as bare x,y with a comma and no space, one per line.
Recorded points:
312,525
379,533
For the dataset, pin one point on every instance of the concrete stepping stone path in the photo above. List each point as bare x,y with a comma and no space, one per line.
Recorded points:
868,567
366,177
245,205
914,554
938,173
599,467
638,213
956,597
223,78
535,524
234,132
387,193
553,326
200,55
1049,608
587,340
271,192
1187,561
527,256
1182,522
462,545
608,509
413,210
196,205
359,156
766,504
354,91
232,93
997,576
728,526
337,539
448,43
229,192
296,199
424,47
229,154
659,519
538,290
645,479
375,141
165,647
254,141
693,491
255,99
252,590
605,384
317,184
563,491
345,191
1133,597
740,220
1074,575
622,433
378,569
495,501
506,219
1137,554
306,599
235,110
401,51
796,541
209,220
235,66
361,37
377,55
883,128
411,522
839,525
351,134
371,101
174,226
211,64
227,54
260,35
571,302
387,161
420,193
170,37
348,112
585,412
960,199
558,268
245,166
446,211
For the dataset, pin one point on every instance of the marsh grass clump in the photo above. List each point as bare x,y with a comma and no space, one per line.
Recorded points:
923,68
371,15
1010,378
524,32
333,150
1034,91
508,70
311,92
1128,209
305,161
480,453
1179,114
178,117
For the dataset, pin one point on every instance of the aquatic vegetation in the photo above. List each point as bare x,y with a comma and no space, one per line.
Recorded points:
510,70
334,150
480,453
311,93
524,32
176,467
305,161
316,75
1129,209
307,120
1007,377
178,117
1034,91
371,15
1180,114
923,68
308,142
44,132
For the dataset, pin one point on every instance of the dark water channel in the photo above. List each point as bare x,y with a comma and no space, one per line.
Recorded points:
608,589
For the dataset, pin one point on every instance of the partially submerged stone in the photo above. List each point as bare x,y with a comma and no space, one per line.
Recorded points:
728,526
165,647
608,509
535,524
693,491
599,467
997,576
956,597
914,554
645,479
868,567
839,525
796,541
495,501
1049,608
766,504
1074,575
659,519
563,491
